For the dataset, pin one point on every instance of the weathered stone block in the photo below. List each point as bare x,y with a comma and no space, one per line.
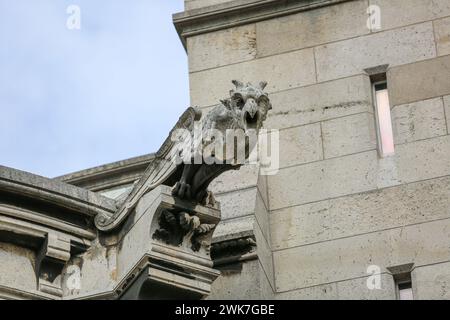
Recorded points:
310,28
241,281
423,160
300,145
332,178
262,218
432,282
17,267
245,177
320,292
357,289
320,102
212,50
237,203
442,34
417,121
282,72
349,258
347,135
344,290
234,228
262,189
395,47
419,81
361,213
321,180
96,269
397,13
264,253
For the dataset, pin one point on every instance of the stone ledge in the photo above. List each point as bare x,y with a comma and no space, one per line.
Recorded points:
55,192
109,175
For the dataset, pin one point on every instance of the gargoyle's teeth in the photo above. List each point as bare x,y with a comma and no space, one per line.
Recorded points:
251,122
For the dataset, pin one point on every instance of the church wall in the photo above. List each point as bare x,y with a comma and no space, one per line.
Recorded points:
17,267
336,207
241,281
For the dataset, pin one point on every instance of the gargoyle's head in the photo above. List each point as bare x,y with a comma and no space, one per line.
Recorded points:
251,102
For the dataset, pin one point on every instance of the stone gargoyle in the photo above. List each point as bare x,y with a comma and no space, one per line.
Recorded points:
245,109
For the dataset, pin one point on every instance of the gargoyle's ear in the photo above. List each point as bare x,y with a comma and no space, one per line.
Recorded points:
262,85
238,84
270,106
226,103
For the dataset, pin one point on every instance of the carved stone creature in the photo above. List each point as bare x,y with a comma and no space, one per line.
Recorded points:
246,109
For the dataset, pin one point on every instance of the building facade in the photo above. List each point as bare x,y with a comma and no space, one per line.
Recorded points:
360,205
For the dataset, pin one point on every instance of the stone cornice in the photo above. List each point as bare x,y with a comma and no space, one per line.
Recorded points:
17,294
239,12
109,175
54,192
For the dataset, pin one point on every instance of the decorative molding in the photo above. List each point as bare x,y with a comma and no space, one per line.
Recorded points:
239,12
31,230
50,262
9,293
176,227
35,187
40,220
233,250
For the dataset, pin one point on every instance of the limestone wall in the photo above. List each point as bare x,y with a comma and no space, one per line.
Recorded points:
336,207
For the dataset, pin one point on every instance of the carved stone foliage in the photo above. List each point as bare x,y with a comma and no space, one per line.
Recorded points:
178,227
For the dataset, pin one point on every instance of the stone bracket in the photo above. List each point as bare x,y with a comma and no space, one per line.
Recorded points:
163,276
50,261
173,259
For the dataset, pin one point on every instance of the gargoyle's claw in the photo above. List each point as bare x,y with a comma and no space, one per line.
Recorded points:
175,189
182,190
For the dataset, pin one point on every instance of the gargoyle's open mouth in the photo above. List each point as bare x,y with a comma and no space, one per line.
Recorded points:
251,122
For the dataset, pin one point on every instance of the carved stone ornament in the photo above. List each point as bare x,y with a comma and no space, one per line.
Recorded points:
173,256
246,109
178,227
51,259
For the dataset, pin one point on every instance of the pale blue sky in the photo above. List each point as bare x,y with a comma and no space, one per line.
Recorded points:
73,99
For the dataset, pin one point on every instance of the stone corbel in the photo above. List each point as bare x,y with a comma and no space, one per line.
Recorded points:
51,259
176,260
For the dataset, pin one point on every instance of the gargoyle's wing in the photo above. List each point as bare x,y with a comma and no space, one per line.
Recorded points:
160,170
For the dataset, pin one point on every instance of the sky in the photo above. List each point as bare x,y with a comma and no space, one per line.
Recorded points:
71,99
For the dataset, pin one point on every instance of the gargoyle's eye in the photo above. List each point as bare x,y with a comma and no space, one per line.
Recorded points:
263,100
239,102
